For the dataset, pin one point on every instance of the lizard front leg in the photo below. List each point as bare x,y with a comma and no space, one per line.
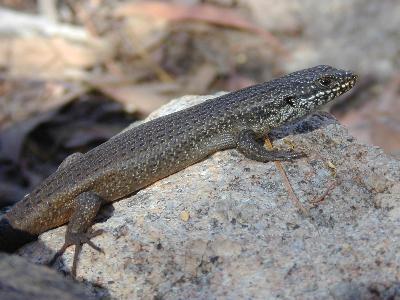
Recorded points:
78,232
248,145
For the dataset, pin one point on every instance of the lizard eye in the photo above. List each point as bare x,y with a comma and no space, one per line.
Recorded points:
290,100
325,80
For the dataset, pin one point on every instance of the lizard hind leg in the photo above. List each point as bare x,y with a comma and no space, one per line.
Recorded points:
79,232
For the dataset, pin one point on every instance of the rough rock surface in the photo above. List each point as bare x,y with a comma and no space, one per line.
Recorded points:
21,280
225,228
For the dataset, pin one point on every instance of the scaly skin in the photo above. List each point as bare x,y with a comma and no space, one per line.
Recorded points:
156,149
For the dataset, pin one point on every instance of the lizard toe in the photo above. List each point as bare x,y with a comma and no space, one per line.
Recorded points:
77,239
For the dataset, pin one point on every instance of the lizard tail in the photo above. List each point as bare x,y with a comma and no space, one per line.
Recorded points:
11,239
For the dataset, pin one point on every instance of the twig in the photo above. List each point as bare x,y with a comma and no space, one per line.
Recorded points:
163,75
286,182
317,200
14,23
84,17
48,9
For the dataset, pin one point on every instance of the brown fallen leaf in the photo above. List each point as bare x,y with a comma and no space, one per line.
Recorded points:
202,12
143,98
200,81
50,57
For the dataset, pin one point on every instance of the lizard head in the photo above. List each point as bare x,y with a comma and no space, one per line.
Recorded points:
302,92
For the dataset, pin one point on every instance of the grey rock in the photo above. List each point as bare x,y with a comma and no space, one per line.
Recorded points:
21,280
225,228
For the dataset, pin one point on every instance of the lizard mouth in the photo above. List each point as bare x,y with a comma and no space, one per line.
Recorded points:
349,81
344,85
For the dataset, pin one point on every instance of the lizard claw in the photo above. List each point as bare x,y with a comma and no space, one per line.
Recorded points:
91,235
58,254
94,233
77,239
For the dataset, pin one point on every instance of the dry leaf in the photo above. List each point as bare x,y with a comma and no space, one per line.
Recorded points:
200,81
49,57
143,98
202,12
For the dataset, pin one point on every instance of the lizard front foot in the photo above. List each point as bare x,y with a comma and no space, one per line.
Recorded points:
248,145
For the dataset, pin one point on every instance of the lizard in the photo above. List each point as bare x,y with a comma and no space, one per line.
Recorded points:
138,157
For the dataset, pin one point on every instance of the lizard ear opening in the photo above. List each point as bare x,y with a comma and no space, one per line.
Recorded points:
289,100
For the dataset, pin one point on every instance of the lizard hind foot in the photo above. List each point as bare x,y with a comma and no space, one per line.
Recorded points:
77,239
